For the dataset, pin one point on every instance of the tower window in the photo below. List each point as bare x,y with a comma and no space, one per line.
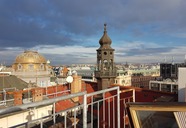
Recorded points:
106,65
105,53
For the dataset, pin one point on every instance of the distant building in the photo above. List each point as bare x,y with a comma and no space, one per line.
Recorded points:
164,85
168,81
32,67
153,71
138,77
170,70
182,84
87,74
123,78
141,81
62,74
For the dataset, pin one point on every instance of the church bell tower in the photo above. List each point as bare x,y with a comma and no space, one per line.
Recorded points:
106,71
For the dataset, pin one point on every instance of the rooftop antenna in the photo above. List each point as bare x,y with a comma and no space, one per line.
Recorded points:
173,60
165,59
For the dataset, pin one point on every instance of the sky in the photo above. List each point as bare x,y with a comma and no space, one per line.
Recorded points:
68,31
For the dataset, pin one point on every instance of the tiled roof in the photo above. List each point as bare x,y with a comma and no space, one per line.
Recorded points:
12,81
146,95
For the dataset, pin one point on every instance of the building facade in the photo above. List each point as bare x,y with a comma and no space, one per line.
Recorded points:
170,70
182,84
169,78
123,78
141,81
166,85
33,68
138,77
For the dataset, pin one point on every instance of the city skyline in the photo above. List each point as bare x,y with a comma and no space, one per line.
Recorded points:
67,32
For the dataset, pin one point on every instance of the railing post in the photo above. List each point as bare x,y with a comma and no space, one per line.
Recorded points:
85,111
4,98
133,91
118,106
54,113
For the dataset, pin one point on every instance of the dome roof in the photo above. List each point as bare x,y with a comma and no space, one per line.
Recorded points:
105,39
30,57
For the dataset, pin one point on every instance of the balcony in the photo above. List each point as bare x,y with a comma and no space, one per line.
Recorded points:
93,111
108,108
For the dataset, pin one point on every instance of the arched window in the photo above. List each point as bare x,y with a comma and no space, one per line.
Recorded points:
123,82
99,65
111,64
42,67
19,66
105,66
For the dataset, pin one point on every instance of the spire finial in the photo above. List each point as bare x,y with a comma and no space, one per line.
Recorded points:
105,27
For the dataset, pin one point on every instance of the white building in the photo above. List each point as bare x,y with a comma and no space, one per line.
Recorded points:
182,84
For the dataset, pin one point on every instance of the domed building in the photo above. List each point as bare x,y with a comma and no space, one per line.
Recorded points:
32,67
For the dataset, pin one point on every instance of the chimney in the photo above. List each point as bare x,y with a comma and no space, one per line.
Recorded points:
18,98
65,71
76,86
37,94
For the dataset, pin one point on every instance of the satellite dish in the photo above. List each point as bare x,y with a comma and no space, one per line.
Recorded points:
48,61
69,79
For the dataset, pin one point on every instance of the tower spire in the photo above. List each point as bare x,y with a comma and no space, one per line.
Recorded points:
106,71
105,27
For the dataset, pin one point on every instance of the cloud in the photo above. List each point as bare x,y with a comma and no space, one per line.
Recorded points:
180,35
61,26
150,54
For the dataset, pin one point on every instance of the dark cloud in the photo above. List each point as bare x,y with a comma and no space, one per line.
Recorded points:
144,51
27,24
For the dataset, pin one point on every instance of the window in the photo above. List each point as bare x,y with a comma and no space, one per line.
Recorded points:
42,66
123,81
42,83
106,65
19,67
149,115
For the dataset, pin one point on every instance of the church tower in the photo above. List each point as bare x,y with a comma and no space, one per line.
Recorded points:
106,71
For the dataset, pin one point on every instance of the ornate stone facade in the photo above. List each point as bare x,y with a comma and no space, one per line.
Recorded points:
30,61
32,67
